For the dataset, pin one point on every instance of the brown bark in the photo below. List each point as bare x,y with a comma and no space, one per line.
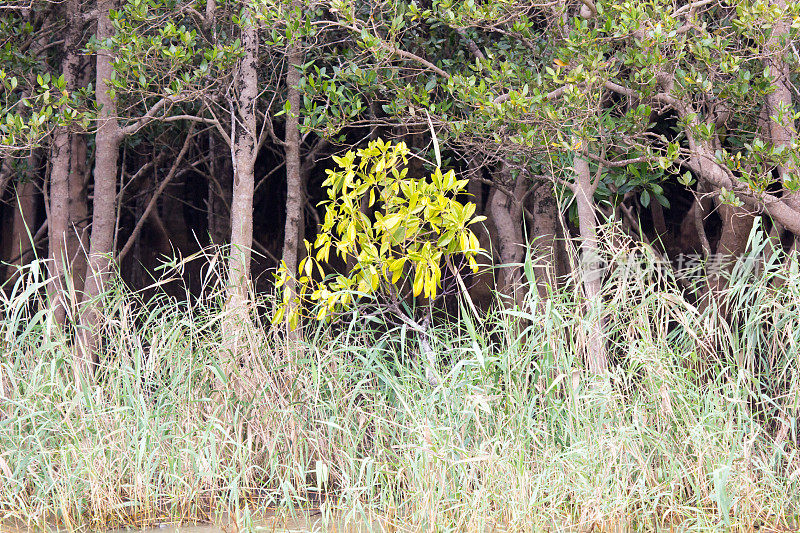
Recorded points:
781,131
480,284
506,217
475,191
294,183
736,225
693,231
660,225
61,158
244,157
107,142
543,238
591,268
59,221
737,222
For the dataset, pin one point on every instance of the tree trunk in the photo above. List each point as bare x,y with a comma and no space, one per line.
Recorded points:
543,238
781,132
591,266
663,234
294,181
506,216
61,158
107,142
244,158
58,222
737,222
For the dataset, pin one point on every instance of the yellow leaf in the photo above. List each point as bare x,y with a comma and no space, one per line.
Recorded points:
559,62
419,279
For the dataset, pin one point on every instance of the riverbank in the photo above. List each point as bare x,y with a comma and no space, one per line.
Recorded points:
694,428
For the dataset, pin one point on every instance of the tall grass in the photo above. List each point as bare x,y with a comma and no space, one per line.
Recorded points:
694,428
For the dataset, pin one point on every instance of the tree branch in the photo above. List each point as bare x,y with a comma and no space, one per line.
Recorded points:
147,117
691,7
402,53
152,203
591,6
191,118
618,163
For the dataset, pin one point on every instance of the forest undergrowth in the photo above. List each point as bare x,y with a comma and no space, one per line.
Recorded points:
695,426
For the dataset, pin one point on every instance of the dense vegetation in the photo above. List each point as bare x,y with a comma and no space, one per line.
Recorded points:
452,263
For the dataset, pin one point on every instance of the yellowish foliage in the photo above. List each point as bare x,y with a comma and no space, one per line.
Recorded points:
396,230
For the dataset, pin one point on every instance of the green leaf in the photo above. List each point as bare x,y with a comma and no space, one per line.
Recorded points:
644,198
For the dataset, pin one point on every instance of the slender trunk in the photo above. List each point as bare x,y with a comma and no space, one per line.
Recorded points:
244,156
59,221
211,10
591,266
61,157
107,142
294,182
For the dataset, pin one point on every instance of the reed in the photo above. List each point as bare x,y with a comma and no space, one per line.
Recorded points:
695,428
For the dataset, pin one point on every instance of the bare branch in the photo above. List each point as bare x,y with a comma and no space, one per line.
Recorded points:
591,6
147,117
152,203
691,7
191,118
618,163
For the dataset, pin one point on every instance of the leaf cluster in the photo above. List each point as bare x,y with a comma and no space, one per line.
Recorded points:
397,231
